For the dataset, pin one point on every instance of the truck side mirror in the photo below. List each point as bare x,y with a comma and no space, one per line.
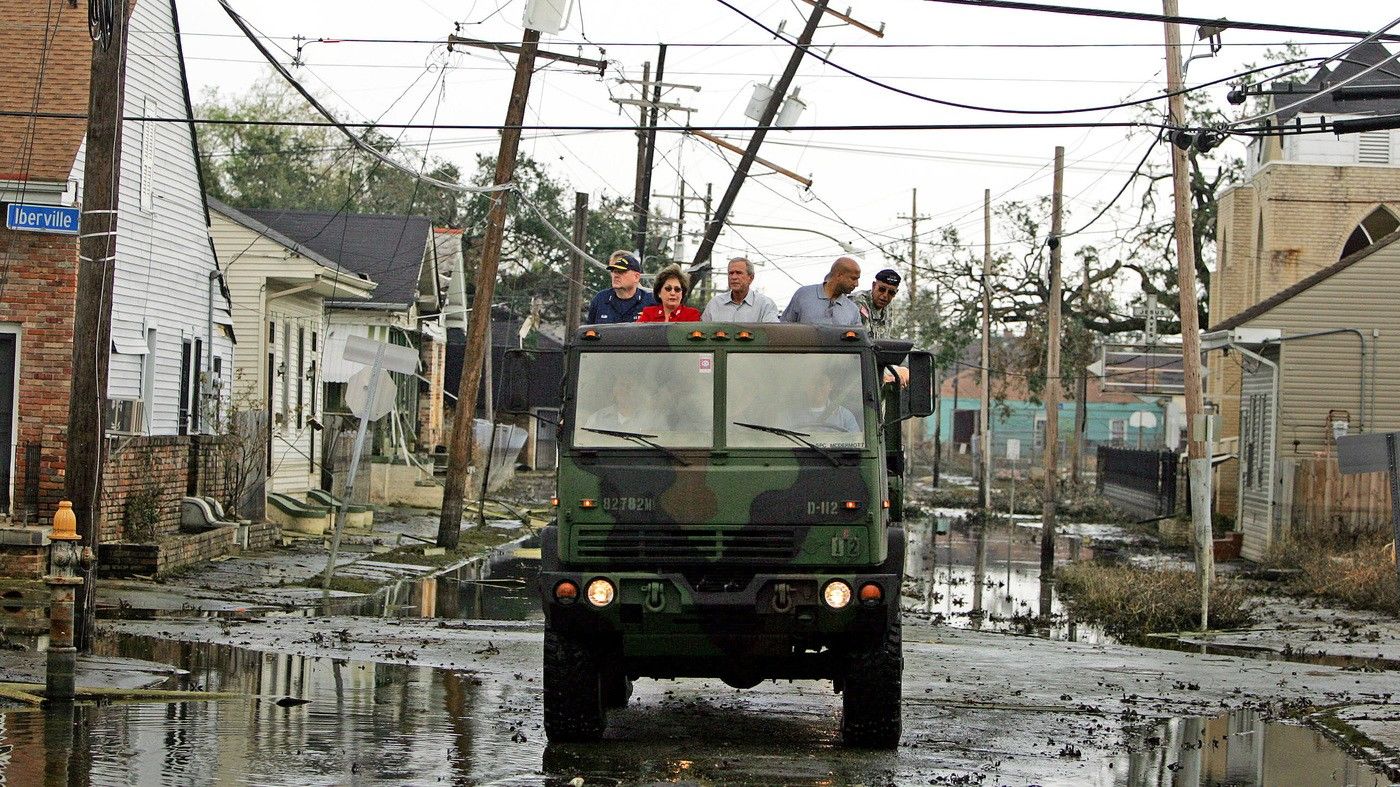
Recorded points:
530,380
920,384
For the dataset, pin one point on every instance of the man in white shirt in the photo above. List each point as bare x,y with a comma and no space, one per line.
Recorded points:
740,303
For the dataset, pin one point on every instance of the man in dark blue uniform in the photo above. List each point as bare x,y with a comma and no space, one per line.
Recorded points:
624,300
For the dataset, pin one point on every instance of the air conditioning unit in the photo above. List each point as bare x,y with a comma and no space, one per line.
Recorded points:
126,416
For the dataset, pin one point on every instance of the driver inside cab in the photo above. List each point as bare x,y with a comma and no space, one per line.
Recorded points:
815,409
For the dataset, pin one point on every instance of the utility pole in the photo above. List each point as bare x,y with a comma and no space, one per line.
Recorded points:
575,309
1197,452
1052,381
92,311
651,153
984,427
913,219
741,171
938,396
648,114
639,197
460,447
1081,399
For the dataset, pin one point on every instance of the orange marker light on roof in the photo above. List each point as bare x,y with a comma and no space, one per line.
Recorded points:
590,334
849,336
745,336
697,335
720,336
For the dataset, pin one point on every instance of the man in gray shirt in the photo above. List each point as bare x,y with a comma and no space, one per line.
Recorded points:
740,303
828,303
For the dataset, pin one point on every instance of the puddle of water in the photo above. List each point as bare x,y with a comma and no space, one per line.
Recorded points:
365,722
1237,748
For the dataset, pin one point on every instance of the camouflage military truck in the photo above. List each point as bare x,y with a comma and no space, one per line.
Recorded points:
726,509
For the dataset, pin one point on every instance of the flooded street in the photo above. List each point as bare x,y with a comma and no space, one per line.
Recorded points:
437,682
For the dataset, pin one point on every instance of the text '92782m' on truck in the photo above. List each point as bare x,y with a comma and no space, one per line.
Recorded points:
729,499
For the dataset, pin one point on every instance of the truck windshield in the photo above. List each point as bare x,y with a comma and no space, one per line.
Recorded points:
816,395
666,399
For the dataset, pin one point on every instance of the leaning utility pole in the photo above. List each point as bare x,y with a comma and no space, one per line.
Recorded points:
460,447
1052,378
1197,453
92,310
984,427
574,312
644,209
741,171
639,192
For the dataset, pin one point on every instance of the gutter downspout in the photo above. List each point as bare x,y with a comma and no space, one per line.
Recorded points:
1273,430
209,349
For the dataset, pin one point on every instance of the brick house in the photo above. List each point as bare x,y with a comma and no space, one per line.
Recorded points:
171,328
1307,202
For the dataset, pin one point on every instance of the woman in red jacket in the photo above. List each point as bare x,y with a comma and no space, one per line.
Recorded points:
672,286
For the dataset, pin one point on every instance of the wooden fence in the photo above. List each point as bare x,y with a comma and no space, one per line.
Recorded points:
1324,499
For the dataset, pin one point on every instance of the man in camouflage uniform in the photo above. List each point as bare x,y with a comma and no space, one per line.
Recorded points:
874,303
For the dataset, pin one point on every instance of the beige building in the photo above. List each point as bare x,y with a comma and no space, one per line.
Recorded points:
1318,359
1308,201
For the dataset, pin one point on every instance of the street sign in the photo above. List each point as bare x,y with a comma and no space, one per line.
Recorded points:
403,360
357,394
1141,369
42,218
1013,449
1362,453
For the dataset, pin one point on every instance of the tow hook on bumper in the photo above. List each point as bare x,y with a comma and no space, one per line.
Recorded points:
782,600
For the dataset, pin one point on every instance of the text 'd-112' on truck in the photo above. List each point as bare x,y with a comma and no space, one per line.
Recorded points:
729,499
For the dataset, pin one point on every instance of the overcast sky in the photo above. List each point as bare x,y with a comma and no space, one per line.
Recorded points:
982,56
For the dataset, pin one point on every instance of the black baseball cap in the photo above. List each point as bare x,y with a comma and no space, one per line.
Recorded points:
889,276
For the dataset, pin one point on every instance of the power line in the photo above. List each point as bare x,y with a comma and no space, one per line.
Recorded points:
982,108
1137,16
553,127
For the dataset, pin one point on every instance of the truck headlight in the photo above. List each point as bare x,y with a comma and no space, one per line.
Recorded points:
836,594
600,592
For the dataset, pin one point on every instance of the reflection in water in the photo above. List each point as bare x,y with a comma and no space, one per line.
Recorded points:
1238,748
364,722
955,583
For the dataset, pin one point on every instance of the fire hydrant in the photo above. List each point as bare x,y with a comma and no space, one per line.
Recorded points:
65,558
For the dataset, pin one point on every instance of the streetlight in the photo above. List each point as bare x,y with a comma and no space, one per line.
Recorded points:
845,247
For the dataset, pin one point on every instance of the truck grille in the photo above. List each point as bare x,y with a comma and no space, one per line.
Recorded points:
673,544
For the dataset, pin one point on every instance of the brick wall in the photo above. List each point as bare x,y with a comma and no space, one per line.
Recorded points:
151,465
36,298
263,535
122,559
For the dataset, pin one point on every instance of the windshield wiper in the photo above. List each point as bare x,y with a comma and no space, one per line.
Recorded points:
639,438
796,437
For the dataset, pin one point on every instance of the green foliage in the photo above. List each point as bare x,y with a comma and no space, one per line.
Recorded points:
310,167
141,515
535,263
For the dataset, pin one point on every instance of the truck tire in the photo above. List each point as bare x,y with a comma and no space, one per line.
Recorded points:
617,690
573,691
870,700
